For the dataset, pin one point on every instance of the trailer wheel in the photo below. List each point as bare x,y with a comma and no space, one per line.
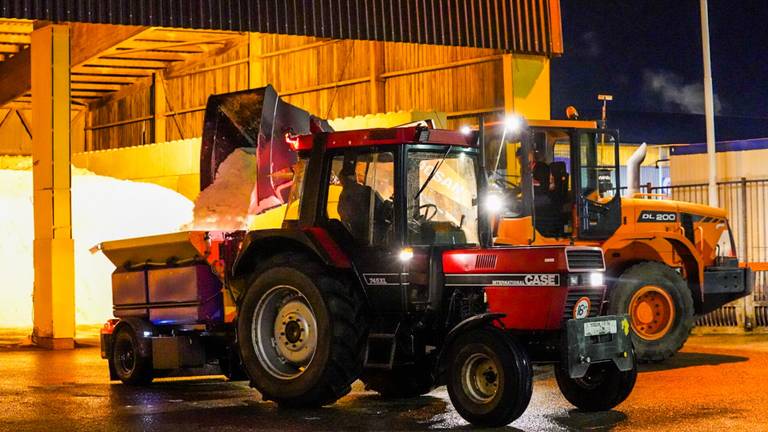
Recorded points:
130,365
301,333
660,308
603,388
490,379
401,382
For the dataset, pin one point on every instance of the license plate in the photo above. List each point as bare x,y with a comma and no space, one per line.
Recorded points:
599,328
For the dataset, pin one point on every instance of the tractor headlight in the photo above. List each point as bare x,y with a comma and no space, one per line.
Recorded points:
586,279
406,254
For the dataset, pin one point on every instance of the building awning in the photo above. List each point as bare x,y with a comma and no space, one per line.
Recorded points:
520,26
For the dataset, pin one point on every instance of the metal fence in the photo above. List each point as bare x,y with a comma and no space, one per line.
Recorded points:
747,204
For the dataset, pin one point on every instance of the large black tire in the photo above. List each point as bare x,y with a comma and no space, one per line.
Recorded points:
603,388
663,344
490,380
130,366
401,382
334,356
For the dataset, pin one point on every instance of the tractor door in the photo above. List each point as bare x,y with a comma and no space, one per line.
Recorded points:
595,179
360,212
441,213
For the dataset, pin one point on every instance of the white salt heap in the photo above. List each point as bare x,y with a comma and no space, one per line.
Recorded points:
103,208
224,204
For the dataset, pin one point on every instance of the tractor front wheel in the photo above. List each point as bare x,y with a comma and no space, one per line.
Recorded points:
490,380
602,388
660,309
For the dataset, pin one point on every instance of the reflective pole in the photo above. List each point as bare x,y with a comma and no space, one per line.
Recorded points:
709,106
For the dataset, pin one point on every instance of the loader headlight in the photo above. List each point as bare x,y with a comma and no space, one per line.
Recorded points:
494,203
596,278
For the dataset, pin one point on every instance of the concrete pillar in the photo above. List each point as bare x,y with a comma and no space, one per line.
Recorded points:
54,287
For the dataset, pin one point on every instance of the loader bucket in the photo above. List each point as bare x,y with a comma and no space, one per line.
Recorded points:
255,119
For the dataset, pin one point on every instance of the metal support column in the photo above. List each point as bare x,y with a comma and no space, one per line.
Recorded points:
709,107
54,287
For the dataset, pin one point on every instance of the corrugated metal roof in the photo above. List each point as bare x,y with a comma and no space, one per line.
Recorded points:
523,26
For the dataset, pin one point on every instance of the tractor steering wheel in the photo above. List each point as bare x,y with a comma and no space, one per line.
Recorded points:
426,215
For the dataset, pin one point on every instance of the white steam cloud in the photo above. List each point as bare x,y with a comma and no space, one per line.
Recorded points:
674,93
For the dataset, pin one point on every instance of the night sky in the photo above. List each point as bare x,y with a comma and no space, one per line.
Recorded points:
647,54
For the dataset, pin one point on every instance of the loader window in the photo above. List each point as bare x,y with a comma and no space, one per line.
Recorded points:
360,194
597,170
442,197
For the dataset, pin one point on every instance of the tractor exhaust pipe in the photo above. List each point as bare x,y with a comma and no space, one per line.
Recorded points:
633,169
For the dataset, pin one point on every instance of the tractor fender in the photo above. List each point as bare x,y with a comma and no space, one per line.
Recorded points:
470,323
140,327
260,244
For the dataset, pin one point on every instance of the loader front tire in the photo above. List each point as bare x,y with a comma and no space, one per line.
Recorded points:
660,308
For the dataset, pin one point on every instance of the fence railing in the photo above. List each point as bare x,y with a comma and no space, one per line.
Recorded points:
746,202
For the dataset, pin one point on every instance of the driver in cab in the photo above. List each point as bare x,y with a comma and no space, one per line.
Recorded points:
359,203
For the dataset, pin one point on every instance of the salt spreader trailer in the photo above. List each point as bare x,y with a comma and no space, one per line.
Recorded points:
383,271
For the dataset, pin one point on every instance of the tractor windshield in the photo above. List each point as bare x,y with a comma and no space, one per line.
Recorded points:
442,197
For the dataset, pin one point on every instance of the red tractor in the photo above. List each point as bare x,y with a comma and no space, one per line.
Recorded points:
383,271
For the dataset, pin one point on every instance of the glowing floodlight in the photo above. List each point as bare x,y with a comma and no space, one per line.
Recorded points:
512,123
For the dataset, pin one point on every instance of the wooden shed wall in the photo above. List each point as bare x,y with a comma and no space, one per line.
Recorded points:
331,79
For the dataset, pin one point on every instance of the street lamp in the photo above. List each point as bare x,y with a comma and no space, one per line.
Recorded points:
605,98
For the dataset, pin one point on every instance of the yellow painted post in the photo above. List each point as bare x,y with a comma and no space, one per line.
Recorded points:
54,287
507,65
376,84
256,74
158,108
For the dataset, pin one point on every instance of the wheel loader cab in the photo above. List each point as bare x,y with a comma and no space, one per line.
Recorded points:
562,181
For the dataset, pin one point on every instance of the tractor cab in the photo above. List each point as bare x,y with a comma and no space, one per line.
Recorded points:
558,179
392,199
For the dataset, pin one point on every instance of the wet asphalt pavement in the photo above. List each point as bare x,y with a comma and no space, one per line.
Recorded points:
716,383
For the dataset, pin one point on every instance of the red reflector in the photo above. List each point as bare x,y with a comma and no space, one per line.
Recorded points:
109,326
293,141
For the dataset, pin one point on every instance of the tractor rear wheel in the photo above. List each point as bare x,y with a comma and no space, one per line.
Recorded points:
490,380
660,308
401,382
603,388
301,332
